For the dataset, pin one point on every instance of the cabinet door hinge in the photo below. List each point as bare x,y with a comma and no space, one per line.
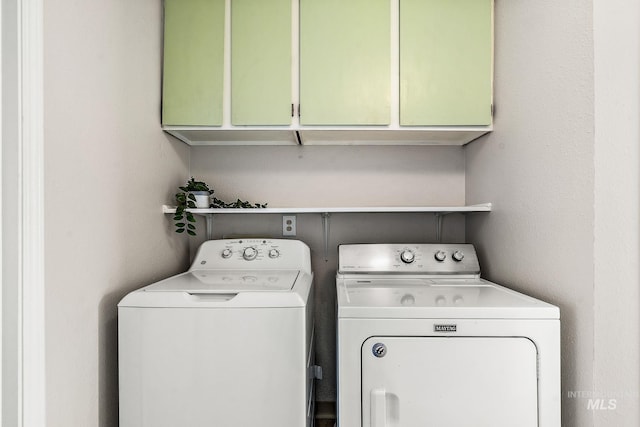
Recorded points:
293,109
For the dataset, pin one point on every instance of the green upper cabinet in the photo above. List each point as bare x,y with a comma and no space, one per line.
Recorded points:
261,62
446,51
193,62
359,71
344,62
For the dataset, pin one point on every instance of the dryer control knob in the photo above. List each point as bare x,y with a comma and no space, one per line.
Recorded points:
407,257
440,256
457,256
226,253
250,253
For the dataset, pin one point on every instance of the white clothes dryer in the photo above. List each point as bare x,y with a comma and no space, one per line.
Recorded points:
424,341
227,343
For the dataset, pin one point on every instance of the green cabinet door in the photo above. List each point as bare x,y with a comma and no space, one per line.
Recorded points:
344,62
193,62
261,62
446,62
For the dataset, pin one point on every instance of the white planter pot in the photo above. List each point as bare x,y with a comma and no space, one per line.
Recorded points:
203,198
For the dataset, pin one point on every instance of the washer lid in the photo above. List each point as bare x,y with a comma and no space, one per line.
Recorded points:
232,289
227,281
436,298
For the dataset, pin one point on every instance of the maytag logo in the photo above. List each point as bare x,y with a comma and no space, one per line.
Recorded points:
445,328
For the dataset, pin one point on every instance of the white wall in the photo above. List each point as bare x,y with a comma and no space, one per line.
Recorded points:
335,176
617,204
537,168
562,169
108,169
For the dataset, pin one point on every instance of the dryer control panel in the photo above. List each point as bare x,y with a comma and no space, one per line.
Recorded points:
412,258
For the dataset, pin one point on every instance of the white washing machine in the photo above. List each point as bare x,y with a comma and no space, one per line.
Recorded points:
228,343
424,341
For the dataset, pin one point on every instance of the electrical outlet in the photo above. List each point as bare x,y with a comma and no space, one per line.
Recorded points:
288,225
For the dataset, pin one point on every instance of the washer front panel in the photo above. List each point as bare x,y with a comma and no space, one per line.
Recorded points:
189,367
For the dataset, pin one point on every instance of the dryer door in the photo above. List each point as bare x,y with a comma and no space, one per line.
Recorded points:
449,381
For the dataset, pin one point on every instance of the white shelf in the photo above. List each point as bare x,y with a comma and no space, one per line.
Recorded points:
484,207
326,212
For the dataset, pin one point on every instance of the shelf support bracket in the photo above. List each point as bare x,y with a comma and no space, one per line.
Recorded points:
325,233
439,220
209,224
438,216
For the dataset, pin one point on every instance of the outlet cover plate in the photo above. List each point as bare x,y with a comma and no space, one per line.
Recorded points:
288,225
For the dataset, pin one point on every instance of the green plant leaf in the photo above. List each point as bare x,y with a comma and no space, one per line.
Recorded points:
190,217
191,226
191,233
193,185
181,224
180,230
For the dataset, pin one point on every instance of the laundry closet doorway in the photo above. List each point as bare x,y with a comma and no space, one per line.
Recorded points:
22,214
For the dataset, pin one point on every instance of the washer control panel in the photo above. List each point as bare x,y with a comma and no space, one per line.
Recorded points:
423,258
252,254
251,250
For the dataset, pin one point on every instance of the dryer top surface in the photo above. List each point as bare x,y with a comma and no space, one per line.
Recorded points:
394,297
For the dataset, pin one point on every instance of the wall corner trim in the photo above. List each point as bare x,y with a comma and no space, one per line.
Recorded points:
31,141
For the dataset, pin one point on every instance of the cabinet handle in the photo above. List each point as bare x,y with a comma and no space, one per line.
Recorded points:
291,110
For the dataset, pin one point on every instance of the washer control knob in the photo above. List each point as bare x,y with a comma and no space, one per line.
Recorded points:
226,253
440,256
250,253
457,256
274,253
407,257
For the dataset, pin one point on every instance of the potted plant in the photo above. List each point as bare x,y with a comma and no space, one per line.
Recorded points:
198,192
195,194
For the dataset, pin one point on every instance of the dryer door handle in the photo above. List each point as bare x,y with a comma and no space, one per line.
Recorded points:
378,407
